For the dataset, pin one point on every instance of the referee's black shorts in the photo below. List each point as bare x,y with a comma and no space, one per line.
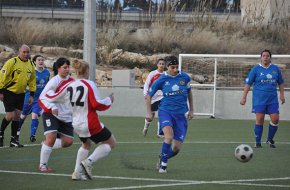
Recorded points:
13,101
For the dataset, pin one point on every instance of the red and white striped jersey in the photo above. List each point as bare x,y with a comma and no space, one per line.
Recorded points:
54,85
85,100
152,76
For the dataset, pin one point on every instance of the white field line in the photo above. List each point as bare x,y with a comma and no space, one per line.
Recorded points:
176,182
158,142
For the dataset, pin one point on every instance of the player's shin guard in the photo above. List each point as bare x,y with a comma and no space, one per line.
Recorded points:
272,131
258,130
14,130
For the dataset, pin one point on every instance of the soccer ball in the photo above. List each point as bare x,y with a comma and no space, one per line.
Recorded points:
244,153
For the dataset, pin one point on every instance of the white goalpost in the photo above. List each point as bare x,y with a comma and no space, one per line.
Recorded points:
211,72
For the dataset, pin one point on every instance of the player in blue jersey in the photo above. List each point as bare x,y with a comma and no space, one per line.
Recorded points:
172,116
265,77
42,77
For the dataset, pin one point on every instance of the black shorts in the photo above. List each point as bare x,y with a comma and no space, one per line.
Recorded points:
102,136
13,101
155,106
53,124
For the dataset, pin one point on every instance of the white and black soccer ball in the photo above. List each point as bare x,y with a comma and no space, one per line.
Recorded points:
244,153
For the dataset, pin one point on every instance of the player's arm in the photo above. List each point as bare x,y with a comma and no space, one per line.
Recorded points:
149,115
146,85
245,93
5,76
96,101
190,102
281,89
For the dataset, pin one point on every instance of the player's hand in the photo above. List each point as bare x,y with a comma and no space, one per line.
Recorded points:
1,97
111,96
149,117
243,101
189,115
55,112
282,98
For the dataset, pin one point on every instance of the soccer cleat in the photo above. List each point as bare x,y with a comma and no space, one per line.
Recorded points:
258,145
79,176
44,168
145,130
32,138
15,143
1,139
162,169
87,167
271,143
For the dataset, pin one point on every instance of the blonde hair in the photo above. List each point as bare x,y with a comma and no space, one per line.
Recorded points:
80,66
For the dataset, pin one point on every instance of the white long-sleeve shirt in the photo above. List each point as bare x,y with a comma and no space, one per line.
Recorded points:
54,85
152,76
84,98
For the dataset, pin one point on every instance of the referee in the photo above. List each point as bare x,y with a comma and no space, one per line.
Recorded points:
16,74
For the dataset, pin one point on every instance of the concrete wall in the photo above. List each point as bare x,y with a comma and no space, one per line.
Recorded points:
130,102
264,12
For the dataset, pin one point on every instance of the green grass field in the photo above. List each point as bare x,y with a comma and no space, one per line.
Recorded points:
206,160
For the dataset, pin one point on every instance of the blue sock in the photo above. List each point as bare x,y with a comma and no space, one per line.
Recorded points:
272,131
33,126
164,152
258,130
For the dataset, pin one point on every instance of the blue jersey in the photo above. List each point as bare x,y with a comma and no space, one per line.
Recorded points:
175,91
264,81
42,78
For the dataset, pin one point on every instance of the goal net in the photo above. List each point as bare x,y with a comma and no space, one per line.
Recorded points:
212,72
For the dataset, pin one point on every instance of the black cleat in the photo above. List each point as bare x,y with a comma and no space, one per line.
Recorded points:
271,143
32,138
14,143
258,145
1,139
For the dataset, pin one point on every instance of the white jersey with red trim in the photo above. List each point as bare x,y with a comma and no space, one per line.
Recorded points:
54,85
85,100
152,76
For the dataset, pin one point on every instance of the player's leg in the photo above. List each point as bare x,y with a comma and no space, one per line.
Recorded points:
36,111
14,142
258,129
82,154
108,143
9,105
273,125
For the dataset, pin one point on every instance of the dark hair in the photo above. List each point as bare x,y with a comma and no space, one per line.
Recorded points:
171,60
35,57
160,59
266,50
59,62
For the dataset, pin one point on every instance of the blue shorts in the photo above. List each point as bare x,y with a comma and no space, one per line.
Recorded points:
266,109
177,121
32,108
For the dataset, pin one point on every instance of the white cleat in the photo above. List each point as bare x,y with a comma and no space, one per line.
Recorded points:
87,168
79,176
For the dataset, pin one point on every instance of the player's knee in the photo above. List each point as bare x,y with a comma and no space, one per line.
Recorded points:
67,142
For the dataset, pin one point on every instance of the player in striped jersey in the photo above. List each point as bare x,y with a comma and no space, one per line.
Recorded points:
57,117
155,100
85,100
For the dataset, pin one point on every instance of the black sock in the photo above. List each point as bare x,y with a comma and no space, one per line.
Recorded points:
14,128
4,125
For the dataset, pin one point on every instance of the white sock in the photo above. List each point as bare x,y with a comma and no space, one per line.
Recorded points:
147,124
45,153
82,154
57,143
100,152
